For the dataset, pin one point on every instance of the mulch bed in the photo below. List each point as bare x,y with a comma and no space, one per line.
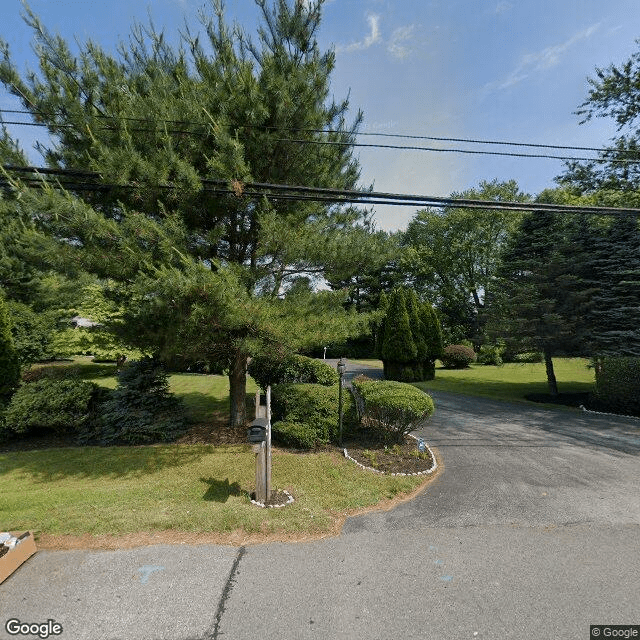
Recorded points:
389,459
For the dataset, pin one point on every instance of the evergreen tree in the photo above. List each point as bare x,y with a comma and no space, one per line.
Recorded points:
536,310
398,349
418,331
383,308
256,110
613,317
432,339
9,360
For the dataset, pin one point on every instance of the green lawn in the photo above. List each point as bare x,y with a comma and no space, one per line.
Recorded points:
206,396
510,381
190,488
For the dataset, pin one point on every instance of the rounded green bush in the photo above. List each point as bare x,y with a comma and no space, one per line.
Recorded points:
271,370
395,408
60,405
457,356
316,407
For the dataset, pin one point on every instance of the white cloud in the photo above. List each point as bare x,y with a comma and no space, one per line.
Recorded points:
543,59
503,7
371,39
397,45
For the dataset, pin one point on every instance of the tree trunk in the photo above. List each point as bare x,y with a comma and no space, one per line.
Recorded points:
551,376
238,389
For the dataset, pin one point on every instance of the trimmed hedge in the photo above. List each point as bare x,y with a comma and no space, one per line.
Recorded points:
393,408
618,385
269,370
306,415
457,356
63,406
295,434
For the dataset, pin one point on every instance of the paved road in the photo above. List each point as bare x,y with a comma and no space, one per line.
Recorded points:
531,532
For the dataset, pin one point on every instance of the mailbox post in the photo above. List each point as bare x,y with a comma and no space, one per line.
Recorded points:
259,435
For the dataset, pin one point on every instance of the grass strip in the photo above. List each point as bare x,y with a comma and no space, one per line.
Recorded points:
188,488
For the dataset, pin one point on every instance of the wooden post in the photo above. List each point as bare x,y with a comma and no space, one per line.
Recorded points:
261,460
268,456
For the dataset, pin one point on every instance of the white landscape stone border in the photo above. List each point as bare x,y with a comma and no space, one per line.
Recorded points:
602,413
274,506
417,473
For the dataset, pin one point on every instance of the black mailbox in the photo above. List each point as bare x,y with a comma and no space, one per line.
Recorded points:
257,432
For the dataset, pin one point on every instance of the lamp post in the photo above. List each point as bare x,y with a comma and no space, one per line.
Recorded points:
342,365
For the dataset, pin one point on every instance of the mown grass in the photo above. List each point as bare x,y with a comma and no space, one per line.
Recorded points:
512,381
179,487
191,488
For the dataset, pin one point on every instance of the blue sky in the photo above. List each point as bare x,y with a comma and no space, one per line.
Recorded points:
512,70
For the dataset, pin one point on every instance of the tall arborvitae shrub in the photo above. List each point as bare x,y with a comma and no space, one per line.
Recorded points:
383,308
418,331
434,343
398,349
9,360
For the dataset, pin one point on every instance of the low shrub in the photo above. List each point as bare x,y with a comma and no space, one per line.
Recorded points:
618,385
528,357
313,409
270,370
394,409
51,372
63,406
490,354
457,356
141,408
294,434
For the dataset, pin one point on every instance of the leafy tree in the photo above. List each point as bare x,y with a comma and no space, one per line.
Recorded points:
32,333
9,360
614,93
201,260
453,254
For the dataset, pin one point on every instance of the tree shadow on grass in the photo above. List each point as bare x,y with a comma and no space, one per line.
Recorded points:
202,407
100,462
221,490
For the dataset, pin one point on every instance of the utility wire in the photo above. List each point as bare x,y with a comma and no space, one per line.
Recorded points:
303,193
370,145
355,133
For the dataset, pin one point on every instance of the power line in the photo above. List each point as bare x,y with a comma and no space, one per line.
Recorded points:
304,193
367,145
356,133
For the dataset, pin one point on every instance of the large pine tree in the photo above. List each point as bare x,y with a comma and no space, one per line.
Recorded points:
172,136
536,309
